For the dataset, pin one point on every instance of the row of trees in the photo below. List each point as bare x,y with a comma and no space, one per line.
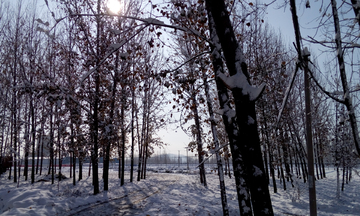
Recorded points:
46,96
89,83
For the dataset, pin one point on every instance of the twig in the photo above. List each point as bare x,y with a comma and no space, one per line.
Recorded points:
212,154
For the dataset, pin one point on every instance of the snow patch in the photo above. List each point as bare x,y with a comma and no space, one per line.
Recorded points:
118,45
250,120
239,81
153,21
257,171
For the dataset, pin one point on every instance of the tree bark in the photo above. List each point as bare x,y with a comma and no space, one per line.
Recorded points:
123,134
95,127
217,148
356,8
347,98
198,140
231,128
309,143
33,128
250,150
140,146
132,130
112,129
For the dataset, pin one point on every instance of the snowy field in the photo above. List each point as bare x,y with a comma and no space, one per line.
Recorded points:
175,193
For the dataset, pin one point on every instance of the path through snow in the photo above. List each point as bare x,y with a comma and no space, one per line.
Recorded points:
126,204
166,194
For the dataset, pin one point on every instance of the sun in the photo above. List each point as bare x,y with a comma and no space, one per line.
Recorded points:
114,6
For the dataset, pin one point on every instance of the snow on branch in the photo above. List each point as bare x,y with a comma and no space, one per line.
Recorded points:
115,48
118,45
153,21
214,152
239,81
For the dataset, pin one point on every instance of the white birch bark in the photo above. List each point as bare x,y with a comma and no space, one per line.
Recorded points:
347,98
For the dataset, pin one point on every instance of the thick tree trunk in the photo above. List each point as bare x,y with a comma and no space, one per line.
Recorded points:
242,188
245,96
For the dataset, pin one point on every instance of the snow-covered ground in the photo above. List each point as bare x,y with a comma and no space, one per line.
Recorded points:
164,194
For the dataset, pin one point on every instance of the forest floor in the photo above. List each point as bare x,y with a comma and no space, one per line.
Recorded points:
174,193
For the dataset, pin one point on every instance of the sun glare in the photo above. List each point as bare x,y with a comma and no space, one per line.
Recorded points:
114,6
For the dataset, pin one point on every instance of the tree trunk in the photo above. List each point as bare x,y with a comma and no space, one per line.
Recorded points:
230,125
199,140
250,150
347,98
42,149
90,169
95,127
356,8
119,156
217,148
337,183
71,164
281,168
123,134
309,142
143,135
112,130
80,167
132,131
33,128
74,167
140,146
27,142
